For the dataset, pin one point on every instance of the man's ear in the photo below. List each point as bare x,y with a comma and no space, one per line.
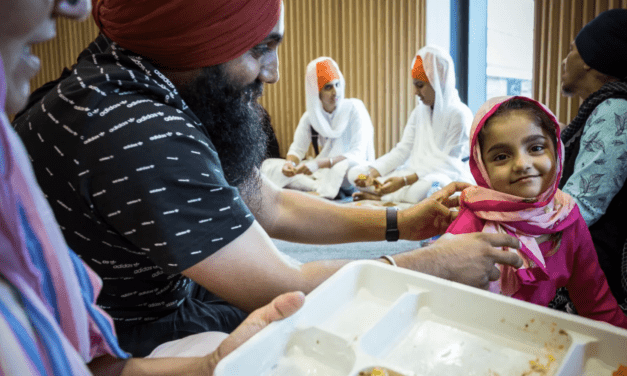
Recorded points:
586,67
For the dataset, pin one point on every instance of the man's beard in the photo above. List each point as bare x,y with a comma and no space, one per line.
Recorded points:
234,120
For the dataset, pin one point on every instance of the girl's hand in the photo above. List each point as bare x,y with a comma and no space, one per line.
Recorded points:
288,169
364,180
303,169
392,184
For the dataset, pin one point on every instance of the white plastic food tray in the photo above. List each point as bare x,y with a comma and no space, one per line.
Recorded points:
374,315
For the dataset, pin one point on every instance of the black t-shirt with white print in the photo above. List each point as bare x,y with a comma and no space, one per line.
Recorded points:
133,179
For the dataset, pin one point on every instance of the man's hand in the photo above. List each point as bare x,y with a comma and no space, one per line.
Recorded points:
392,184
281,307
470,258
288,169
431,216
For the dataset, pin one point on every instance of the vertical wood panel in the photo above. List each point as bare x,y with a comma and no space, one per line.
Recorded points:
63,50
557,23
373,42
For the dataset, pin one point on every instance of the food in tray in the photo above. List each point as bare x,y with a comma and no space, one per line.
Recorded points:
378,371
621,371
375,182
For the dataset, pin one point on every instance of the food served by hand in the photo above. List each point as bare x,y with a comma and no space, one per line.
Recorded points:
378,371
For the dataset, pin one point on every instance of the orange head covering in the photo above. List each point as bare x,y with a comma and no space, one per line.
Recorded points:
187,34
326,72
418,71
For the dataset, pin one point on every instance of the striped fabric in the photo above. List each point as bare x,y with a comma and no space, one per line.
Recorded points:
49,322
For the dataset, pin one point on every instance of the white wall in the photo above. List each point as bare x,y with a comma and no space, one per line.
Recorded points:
439,23
510,38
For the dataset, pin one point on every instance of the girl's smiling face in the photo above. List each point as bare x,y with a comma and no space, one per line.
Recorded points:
519,156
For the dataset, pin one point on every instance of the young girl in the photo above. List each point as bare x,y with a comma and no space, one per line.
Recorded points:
516,160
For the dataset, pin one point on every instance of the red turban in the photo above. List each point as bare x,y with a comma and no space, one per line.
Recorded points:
187,34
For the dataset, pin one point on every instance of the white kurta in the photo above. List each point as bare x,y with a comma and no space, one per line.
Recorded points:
355,143
434,141
425,148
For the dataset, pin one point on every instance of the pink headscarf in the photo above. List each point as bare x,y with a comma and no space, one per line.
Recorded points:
187,34
484,209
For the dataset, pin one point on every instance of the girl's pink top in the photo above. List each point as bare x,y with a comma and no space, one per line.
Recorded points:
572,264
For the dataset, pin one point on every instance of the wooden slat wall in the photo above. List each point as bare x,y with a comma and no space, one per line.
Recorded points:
557,23
373,41
62,51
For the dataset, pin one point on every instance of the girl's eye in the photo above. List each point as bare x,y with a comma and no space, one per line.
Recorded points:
537,148
499,157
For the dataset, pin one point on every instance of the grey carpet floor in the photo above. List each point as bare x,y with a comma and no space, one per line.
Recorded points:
308,252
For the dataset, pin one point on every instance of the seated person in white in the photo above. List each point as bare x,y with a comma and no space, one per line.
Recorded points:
434,144
339,128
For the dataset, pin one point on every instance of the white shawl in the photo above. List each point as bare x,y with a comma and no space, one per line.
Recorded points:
435,140
314,105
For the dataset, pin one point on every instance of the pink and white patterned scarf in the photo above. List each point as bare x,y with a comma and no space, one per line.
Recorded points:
551,212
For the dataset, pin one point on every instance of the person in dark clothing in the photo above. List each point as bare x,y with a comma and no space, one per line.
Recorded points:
595,164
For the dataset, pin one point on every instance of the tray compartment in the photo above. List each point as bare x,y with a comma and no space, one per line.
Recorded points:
394,326
434,346
606,356
315,352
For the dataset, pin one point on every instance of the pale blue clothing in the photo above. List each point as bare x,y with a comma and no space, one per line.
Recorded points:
601,165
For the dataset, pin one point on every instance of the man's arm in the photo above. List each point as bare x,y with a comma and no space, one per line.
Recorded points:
299,217
249,272
462,258
280,308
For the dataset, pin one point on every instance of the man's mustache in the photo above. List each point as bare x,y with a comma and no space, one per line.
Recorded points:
253,91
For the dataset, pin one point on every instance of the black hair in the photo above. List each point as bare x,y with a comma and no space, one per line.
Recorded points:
541,118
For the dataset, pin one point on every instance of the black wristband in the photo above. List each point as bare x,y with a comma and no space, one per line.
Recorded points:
391,227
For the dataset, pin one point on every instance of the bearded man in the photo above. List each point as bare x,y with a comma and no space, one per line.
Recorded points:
146,148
